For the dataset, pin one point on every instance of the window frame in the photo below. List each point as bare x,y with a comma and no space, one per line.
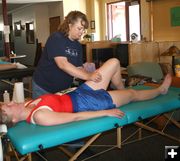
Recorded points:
127,4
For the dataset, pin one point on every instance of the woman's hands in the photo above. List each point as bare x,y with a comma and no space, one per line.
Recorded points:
95,76
77,72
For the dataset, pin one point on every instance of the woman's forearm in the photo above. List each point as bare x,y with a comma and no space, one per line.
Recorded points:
72,70
76,72
89,115
93,114
55,118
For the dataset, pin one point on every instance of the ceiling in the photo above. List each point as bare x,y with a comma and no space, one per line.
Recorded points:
14,4
29,1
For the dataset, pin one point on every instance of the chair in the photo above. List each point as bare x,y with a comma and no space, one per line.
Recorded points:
148,69
38,52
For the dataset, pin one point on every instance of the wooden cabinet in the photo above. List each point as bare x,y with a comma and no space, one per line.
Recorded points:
100,51
137,52
143,51
97,45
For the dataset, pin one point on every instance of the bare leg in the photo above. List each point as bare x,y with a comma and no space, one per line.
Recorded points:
110,71
121,97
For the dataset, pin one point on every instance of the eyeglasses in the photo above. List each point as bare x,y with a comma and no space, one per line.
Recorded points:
81,29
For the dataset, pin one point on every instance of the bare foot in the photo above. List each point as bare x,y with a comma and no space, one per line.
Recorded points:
166,84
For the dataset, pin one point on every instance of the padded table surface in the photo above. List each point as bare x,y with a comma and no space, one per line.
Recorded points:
141,110
28,138
17,73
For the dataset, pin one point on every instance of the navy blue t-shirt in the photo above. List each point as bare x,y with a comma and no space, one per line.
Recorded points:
47,74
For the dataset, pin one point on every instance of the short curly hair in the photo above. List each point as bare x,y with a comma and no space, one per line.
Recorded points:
71,18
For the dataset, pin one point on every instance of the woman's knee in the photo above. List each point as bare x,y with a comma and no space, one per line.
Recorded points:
109,67
114,62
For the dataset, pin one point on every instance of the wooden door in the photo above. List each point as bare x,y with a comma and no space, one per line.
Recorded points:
54,23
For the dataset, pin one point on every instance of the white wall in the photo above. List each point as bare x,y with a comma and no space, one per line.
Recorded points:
56,9
43,13
71,5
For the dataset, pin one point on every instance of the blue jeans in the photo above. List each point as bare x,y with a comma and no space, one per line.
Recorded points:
37,90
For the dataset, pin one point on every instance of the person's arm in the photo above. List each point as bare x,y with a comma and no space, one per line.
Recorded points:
47,118
7,66
74,71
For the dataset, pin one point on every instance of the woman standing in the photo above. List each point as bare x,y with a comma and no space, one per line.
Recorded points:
61,59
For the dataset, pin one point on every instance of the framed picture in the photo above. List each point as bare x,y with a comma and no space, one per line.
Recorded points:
17,28
175,18
92,24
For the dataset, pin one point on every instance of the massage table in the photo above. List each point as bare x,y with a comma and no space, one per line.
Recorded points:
28,138
17,73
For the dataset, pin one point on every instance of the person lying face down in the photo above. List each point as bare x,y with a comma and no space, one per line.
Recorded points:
89,100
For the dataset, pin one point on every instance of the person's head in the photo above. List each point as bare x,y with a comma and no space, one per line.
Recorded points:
74,25
10,113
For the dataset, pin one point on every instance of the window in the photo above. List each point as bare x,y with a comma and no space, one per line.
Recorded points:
17,28
30,39
123,19
134,20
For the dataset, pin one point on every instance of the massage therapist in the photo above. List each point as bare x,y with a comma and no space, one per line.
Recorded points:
61,59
